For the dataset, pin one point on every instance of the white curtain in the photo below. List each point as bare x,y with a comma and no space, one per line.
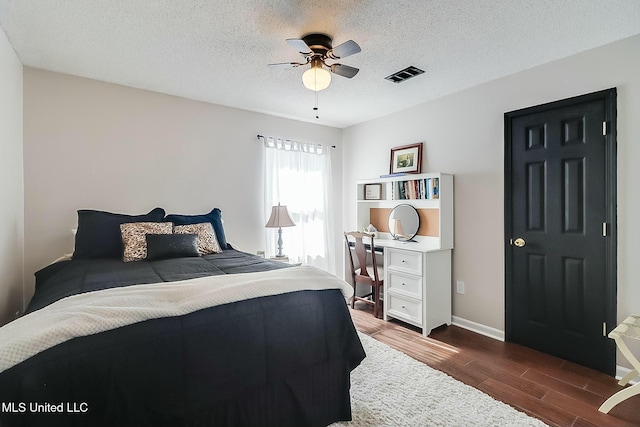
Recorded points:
298,175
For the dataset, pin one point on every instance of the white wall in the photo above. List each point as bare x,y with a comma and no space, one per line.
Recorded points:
11,182
463,135
95,145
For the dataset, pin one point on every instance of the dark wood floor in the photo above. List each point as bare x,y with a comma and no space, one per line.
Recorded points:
558,392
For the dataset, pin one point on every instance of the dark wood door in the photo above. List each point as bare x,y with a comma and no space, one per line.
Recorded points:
560,228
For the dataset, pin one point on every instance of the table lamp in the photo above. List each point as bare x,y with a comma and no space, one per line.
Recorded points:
397,228
279,218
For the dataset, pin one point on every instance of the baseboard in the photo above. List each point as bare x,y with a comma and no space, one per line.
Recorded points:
478,328
497,334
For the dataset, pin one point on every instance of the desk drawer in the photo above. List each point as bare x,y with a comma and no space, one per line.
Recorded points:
405,283
408,261
405,308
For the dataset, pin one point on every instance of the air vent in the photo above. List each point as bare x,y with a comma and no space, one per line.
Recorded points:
405,74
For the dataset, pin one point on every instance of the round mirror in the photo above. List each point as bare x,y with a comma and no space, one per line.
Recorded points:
404,222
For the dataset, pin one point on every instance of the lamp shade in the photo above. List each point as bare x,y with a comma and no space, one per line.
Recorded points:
316,78
397,227
279,218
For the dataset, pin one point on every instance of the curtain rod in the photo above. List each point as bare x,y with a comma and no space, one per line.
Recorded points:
262,136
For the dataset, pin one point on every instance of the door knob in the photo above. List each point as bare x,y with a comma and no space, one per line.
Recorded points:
519,242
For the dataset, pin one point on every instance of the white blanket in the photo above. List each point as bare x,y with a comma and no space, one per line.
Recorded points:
93,312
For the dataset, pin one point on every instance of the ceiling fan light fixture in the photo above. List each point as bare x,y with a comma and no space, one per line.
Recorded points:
316,78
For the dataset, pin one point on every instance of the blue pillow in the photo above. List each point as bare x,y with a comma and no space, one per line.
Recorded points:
99,236
214,217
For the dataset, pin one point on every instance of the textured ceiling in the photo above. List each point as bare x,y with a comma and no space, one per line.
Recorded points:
218,51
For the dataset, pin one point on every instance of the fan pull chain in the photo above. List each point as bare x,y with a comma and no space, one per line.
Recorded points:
316,107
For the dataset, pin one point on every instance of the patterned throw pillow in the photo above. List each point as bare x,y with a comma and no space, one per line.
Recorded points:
214,217
134,237
207,242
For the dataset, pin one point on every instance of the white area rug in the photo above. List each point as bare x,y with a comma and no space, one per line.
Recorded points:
390,388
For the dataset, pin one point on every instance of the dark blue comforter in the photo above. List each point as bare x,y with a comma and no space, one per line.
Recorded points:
281,360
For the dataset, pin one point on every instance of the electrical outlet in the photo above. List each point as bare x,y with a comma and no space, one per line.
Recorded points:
460,287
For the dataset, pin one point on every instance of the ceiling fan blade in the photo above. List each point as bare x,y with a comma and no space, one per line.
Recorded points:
300,46
347,48
286,65
344,70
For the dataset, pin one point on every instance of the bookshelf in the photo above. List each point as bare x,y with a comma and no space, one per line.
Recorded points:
430,193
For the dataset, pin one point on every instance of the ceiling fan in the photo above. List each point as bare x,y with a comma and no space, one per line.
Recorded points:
316,48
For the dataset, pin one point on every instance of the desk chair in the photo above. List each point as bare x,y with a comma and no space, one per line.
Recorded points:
360,271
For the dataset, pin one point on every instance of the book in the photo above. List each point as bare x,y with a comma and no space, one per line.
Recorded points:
389,175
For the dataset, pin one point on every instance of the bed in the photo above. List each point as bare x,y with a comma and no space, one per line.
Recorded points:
223,339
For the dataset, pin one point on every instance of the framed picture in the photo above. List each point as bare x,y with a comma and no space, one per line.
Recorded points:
372,191
406,159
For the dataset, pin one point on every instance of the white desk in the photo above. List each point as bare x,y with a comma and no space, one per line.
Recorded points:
417,282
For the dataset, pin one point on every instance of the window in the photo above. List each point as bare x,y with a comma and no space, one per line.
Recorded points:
298,175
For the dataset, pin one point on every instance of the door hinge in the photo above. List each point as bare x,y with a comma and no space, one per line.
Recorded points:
605,229
604,128
604,329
